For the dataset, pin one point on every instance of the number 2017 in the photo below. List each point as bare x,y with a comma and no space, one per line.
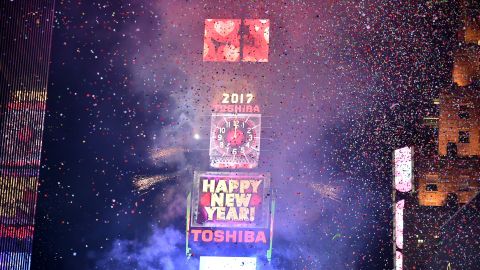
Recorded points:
235,98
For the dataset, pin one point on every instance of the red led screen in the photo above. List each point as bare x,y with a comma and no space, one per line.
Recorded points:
234,40
222,40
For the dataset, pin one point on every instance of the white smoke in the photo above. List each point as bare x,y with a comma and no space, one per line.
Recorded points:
163,250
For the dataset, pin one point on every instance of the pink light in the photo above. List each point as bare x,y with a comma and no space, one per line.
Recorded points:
255,42
399,223
222,40
398,261
403,169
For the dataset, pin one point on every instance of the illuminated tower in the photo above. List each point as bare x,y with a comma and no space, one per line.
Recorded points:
25,41
230,210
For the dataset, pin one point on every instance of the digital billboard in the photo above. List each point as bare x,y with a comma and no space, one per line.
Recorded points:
403,169
231,199
14,260
398,260
22,139
24,65
402,182
17,203
256,40
222,40
234,40
228,209
399,223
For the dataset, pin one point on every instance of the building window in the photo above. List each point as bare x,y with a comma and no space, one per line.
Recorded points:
463,112
464,137
464,184
451,149
421,242
431,187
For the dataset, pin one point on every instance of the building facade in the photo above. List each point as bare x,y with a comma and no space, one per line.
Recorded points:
436,222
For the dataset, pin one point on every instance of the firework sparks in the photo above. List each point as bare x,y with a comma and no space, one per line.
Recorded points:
146,183
327,191
159,154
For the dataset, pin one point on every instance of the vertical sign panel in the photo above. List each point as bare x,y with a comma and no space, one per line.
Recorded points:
23,90
403,169
398,260
399,223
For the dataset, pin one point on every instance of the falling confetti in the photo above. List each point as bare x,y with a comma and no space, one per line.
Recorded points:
345,83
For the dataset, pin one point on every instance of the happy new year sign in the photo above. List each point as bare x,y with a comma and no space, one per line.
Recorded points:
230,200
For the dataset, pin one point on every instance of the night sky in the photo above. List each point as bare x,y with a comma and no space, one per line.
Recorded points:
346,83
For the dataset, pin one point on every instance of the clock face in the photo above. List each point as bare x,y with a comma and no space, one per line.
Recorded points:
235,140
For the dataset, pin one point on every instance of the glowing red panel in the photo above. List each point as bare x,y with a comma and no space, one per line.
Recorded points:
222,40
255,40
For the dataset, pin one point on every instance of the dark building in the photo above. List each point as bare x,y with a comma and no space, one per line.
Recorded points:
438,219
25,41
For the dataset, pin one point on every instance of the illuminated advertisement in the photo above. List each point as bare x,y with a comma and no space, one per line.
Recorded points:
403,169
255,40
22,134
235,140
24,93
233,199
231,263
17,203
15,260
231,209
398,260
399,223
402,182
234,40
222,40
19,166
